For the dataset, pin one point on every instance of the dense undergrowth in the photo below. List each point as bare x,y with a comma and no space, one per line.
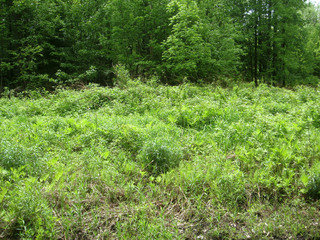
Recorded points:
159,162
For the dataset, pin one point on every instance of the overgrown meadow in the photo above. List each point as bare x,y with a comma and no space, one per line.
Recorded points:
147,161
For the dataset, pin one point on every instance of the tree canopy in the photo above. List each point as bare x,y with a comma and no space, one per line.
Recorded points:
52,42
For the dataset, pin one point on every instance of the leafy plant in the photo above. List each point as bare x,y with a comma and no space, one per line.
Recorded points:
160,162
160,155
122,76
313,186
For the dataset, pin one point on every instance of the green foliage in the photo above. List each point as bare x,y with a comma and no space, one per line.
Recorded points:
273,39
185,49
197,47
13,155
28,214
154,161
160,155
58,43
313,186
312,33
122,76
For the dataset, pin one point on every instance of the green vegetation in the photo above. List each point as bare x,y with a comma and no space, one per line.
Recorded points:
144,160
50,43
93,145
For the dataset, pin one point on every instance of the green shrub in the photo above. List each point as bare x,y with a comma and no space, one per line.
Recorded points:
28,215
315,115
12,155
160,155
313,187
122,76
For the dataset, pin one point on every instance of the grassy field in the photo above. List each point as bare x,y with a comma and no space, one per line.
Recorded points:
147,161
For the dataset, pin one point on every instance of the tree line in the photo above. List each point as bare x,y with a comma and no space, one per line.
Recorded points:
53,42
